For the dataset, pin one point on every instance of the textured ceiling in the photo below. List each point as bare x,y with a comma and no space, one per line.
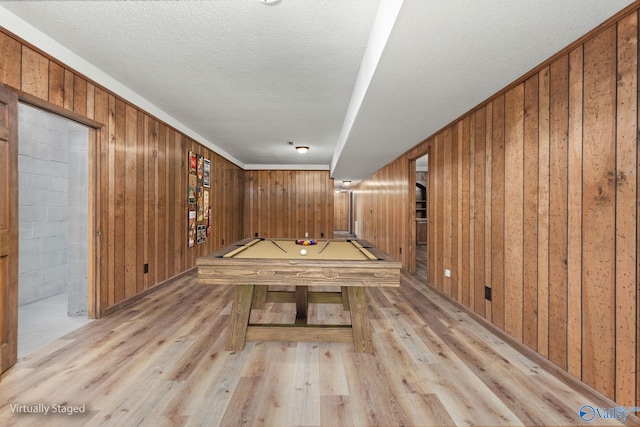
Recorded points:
246,77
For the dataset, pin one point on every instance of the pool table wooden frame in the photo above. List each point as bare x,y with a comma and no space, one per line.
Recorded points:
252,277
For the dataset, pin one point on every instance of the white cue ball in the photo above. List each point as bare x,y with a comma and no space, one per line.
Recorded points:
303,251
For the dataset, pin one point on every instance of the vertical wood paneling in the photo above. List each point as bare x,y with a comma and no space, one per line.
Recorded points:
599,203
161,191
446,215
341,207
460,212
574,220
35,73
431,249
286,222
306,201
177,172
487,205
171,203
626,245
478,207
543,214
292,177
142,201
497,213
439,219
151,235
558,135
130,209
10,60
102,204
68,92
455,203
56,84
120,215
513,217
472,209
91,100
530,214
394,231
79,95
111,202
466,211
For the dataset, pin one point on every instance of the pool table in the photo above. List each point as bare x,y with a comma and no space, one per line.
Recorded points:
252,264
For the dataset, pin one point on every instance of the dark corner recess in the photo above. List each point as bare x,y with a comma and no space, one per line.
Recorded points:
146,268
487,293
321,235
255,235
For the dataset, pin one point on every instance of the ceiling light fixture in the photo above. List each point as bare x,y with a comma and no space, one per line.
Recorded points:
268,1
347,183
302,149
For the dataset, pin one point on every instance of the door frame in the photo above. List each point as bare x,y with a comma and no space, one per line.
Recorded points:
418,152
93,197
9,230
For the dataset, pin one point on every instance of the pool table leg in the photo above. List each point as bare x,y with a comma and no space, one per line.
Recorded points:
362,341
259,297
345,298
239,319
302,303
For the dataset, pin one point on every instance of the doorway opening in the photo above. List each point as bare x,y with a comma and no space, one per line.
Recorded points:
53,170
342,201
422,214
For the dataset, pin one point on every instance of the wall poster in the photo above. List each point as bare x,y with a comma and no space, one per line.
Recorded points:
192,228
207,173
193,183
200,203
192,162
198,198
205,205
202,233
200,168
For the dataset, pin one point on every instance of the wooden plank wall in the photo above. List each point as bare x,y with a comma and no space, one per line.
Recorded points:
534,194
381,208
142,178
341,211
288,203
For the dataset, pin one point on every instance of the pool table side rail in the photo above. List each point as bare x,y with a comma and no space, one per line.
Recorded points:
215,270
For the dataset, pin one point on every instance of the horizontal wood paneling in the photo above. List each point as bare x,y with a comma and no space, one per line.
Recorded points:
288,203
142,178
547,171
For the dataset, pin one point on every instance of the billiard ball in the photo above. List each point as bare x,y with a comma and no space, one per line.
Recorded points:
303,251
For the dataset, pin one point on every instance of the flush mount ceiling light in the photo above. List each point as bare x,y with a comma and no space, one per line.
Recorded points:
302,149
347,183
268,1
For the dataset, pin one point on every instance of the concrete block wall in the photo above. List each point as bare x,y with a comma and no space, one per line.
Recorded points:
52,158
78,249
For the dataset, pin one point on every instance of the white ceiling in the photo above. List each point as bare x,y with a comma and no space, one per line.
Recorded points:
245,77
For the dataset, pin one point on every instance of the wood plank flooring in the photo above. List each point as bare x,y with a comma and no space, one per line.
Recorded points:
161,362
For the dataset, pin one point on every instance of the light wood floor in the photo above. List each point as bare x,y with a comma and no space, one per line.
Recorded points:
162,362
